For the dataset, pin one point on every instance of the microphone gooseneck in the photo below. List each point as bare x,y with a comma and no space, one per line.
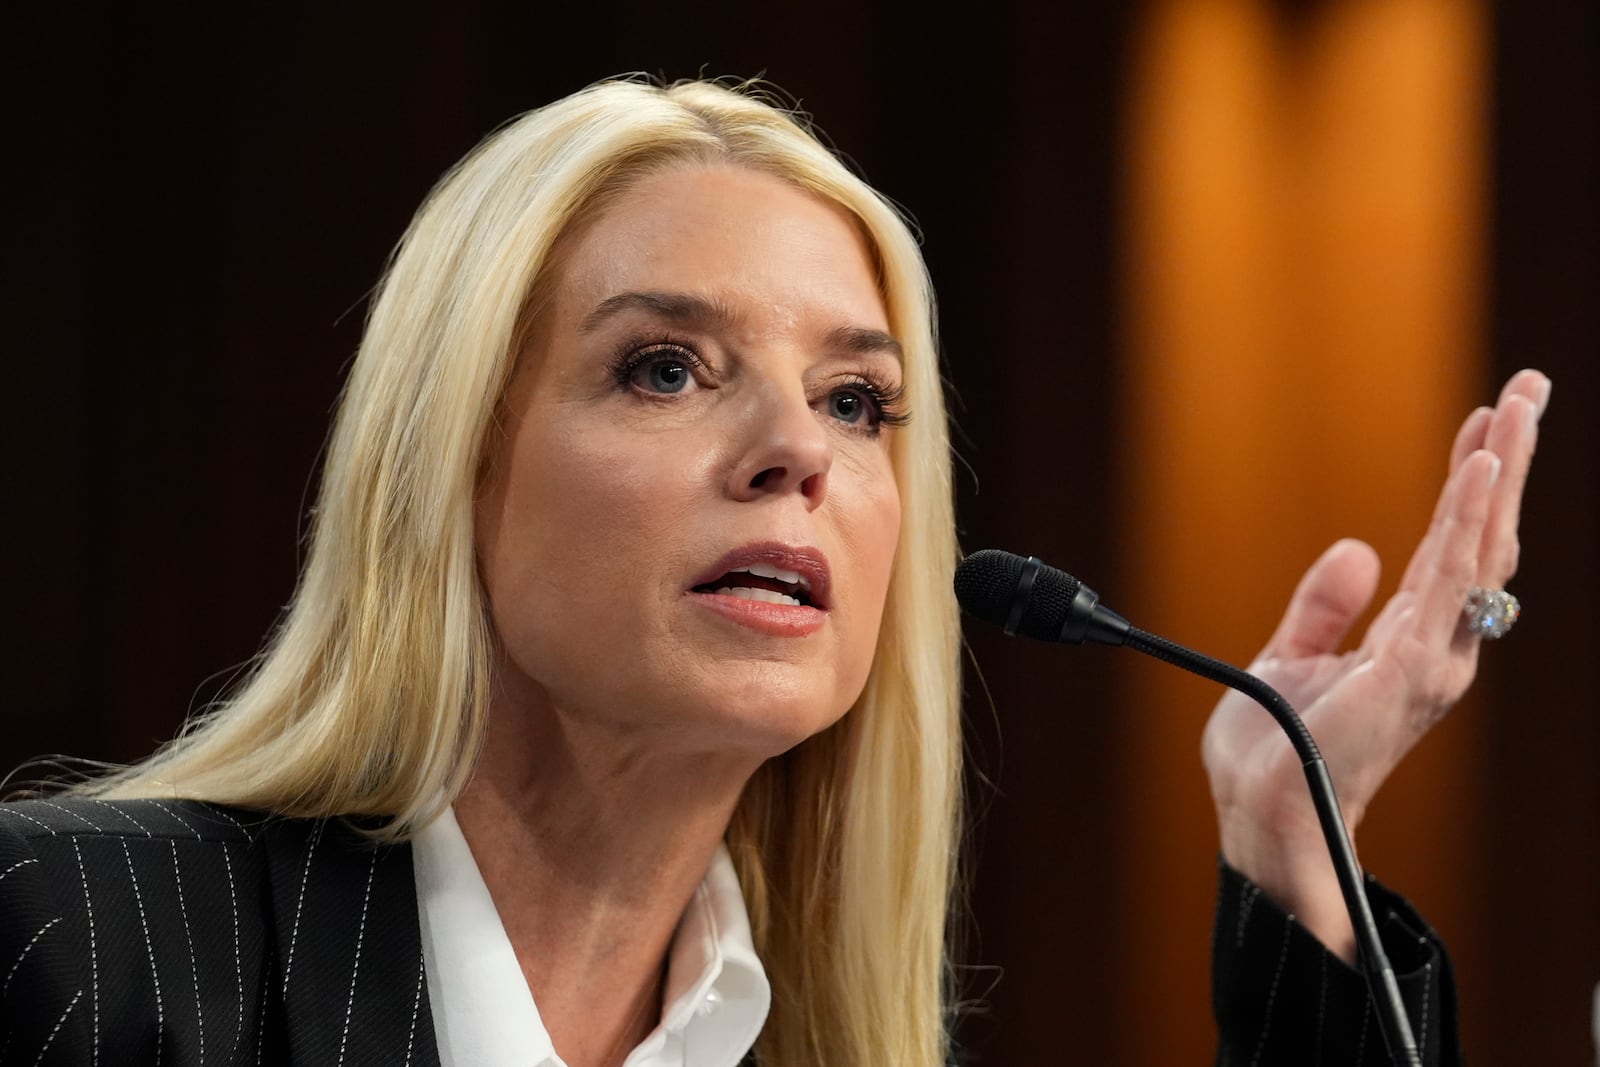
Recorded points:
1027,597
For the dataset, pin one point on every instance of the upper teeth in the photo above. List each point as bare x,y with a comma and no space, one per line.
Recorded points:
766,570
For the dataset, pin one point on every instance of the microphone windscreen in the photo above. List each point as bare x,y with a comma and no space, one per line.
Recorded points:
987,587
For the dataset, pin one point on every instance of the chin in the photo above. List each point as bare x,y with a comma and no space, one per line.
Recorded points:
764,719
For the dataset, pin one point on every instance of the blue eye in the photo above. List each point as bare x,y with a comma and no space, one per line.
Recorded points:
662,374
658,369
849,406
866,405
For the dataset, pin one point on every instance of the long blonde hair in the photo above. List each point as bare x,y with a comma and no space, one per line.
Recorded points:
371,696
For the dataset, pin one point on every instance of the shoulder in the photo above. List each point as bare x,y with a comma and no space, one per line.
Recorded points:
61,856
77,817
138,863
96,895
67,834
161,922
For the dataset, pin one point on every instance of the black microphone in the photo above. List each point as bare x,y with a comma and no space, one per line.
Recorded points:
1027,597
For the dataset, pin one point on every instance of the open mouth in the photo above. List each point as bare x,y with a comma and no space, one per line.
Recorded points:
764,582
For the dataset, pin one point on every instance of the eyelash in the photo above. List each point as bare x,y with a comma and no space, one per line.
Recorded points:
886,400
636,354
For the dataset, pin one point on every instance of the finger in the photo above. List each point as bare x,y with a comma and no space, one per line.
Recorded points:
1512,435
1334,592
1445,565
1480,465
1529,383
1471,436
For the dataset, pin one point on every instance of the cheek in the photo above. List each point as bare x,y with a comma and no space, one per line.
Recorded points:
881,536
870,532
582,535
869,501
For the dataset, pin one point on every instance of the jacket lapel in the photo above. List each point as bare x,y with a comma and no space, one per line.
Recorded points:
350,984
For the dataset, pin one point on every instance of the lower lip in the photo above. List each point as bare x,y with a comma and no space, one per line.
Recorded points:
777,620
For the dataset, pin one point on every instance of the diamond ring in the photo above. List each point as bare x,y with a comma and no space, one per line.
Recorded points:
1490,613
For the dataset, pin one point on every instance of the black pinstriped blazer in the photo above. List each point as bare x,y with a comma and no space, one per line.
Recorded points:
182,933
146,932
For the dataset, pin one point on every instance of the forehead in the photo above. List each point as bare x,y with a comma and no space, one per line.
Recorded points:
729,233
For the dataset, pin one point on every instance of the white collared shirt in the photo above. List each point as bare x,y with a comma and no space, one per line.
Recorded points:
714,1004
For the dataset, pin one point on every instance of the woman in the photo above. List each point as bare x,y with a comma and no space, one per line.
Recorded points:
626,655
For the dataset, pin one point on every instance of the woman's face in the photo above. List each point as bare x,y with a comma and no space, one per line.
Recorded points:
689,525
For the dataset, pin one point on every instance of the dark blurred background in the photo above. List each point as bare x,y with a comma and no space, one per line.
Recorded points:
1217,278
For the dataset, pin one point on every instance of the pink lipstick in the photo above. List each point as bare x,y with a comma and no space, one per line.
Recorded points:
772,588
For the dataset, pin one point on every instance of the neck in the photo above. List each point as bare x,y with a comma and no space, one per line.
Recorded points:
591,842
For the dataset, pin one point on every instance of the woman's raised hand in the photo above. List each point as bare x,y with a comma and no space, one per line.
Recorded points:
1368,706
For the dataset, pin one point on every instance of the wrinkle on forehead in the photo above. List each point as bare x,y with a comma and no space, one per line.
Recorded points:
715,244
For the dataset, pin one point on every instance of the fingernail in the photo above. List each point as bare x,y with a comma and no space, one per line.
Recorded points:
1494,471
1542,399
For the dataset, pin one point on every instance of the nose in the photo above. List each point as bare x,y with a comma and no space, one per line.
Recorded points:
787,450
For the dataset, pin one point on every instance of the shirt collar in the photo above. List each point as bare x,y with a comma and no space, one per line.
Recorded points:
717,994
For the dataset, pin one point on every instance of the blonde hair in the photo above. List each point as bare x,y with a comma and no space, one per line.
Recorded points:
371,696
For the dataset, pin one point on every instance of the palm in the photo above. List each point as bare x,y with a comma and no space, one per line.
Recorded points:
1349,701
1367,707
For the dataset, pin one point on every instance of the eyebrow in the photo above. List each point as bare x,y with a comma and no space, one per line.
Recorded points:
679,307
688,308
